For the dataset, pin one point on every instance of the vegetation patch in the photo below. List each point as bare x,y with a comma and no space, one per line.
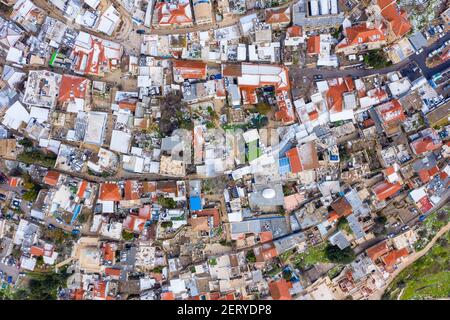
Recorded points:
426,278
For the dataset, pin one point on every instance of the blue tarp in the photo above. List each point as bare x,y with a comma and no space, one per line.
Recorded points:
195,203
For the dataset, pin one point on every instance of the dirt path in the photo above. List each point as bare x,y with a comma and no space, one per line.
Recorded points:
415,256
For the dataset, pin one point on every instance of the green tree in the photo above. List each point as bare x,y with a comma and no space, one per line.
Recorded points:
45,286
343,225
287,275
167,202
166,224
263,108
127,236
250,256
26,143
336,255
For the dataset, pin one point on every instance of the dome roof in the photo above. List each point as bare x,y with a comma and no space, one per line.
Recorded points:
268,193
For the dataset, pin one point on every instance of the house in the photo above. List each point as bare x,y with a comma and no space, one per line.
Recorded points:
42,89
95,56
279,290
73,92
202,11
335,95
189,70
384,190
173,13
109,194
362,37
395,17
109,21
391,116
303,157
429,141
51,178
278,17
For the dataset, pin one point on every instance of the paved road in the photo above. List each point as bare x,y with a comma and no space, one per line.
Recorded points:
297,73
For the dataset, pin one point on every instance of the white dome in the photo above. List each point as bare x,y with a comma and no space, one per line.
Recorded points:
268,193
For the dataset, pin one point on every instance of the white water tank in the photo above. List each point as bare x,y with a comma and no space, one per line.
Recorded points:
268,193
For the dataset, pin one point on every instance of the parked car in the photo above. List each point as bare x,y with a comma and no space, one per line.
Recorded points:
51,226
2,197
404,228
422,217
318,77
75,232
140,31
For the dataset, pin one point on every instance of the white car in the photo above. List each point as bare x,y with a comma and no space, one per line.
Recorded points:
419,51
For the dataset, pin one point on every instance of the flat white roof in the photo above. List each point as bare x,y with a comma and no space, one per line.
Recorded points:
120,141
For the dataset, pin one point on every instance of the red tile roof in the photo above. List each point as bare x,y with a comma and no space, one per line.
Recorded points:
112,272
211,212
377,250
108,253
294,160
36,251
189,69
395,17
279,290
265,236
110,192
361,34
425,144
303,157
425,204
342,207
385,189
72,87
100,289
391,112
425,175
313,45
394,257
131,190
335,93
168,15
295,31
167,296
279,15
82,189
51,178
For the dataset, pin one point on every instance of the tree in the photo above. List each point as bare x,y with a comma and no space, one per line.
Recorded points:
45,286
166,224
336,255
287,275
376,59
39,261
381,220
158,269
26,143
167,202
263,108
343,225
127,236
250,256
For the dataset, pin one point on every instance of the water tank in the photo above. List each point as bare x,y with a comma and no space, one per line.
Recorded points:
268,193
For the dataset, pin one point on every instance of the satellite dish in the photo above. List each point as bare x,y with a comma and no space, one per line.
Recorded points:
268,193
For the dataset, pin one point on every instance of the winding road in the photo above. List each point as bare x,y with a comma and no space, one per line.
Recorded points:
411,259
